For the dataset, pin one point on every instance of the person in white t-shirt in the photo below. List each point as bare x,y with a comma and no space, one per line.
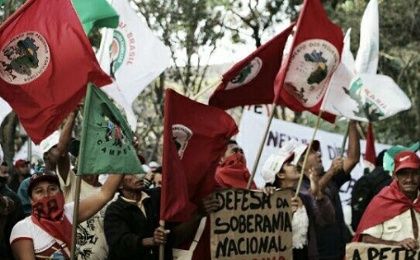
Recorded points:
46,233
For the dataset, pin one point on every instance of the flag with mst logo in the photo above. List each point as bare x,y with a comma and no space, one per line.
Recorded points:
45,63
195,138
315,54
106,145
251,80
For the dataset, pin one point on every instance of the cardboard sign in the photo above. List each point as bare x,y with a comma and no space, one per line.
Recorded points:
252,225
364,251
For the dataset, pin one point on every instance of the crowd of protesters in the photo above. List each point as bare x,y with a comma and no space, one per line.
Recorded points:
36,205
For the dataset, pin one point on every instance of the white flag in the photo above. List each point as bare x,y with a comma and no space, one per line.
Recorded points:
361,96
132,55
4,109
368,53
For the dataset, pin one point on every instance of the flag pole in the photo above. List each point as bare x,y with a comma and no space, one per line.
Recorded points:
307,154
257,160
29,149
343,144
78,175
161,246
199,94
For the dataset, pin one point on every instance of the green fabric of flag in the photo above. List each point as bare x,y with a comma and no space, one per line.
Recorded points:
95,13
106,145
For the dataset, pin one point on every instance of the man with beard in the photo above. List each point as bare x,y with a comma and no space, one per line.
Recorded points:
47,232
392,217
331,239
10,212
131,222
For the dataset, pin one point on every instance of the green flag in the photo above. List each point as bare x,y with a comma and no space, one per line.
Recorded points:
106,145
95,13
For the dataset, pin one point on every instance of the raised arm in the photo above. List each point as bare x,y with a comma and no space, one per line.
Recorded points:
92,204
63,160
353,152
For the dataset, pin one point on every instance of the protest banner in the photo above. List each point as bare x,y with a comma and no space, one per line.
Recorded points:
359,251
251,225
251,128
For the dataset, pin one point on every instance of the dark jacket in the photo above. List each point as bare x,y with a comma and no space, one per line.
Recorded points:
125,226
321,213
7,222
332,238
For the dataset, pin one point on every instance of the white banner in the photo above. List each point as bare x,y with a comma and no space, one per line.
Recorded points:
132,55
4,109
251,130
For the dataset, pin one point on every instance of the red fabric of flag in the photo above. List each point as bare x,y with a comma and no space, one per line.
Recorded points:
251,80
46,61
315,54
370,153
195,137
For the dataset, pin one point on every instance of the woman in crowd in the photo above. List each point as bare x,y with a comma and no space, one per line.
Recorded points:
46,233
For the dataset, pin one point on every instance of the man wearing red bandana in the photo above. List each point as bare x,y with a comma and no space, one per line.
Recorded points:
393,216
46,233
232,171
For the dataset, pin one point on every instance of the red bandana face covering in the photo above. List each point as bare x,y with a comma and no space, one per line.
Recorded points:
232,173
48,214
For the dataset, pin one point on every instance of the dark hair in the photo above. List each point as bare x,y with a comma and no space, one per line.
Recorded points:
231,141
380,158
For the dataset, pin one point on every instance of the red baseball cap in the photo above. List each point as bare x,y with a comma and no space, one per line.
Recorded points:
406,159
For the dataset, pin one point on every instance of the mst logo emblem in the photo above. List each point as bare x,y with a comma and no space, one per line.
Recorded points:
181,135
117,51
311,66
248,73
24,58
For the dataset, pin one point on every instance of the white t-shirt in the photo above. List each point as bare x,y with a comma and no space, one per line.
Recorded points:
398,228
91,241
45,246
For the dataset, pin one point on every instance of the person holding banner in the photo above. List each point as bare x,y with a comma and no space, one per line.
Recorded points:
47,232
311,209
393,216
332,239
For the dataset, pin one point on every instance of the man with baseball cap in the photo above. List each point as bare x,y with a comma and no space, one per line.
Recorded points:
393,216
21,171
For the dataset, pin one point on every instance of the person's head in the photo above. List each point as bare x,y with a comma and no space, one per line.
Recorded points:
314,160
279,171
43,185
4,172
50,151
133,183
157,179
22,167
233,149
407,172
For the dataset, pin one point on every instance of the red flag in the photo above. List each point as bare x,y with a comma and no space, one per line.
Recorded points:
195,137
314,56
45,63
251,80
370,153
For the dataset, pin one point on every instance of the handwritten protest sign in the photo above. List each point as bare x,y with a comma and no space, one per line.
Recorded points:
252,225
364,251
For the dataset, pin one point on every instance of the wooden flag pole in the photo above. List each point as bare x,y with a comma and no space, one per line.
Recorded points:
257,160
86,108
75,217
343,145
162,247
199,94
318,120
